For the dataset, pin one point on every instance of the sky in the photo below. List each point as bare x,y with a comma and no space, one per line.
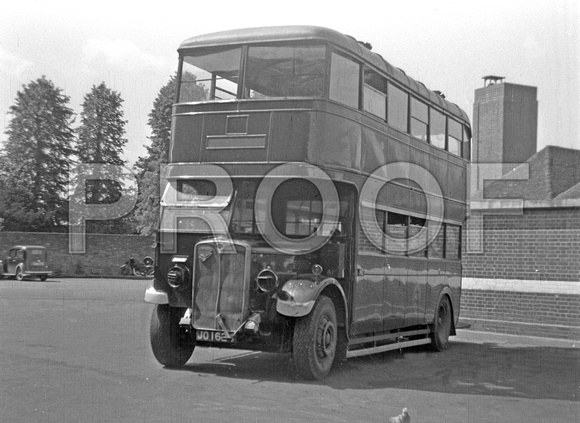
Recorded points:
447,45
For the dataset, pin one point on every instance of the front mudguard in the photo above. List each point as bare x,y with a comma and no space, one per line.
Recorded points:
156,297
297,296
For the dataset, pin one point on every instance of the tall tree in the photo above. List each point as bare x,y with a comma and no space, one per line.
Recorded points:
101,141
149,167
37,158
101,133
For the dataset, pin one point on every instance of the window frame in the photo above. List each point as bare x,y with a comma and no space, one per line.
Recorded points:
377,91
335,52
390,103
442,237
211,89
244,92
460,127
413,118
402,119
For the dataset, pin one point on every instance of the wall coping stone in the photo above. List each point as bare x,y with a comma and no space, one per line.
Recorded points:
519,285
519,204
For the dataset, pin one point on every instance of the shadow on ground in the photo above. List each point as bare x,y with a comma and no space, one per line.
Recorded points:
465,368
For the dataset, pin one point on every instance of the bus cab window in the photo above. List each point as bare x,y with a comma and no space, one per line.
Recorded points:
297,208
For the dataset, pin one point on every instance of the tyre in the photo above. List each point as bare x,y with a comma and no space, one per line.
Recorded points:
19,275
42,277
315,339
442,325
172,345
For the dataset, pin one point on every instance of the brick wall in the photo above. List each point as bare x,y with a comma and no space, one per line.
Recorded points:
105,253
548,309
540,244
527,278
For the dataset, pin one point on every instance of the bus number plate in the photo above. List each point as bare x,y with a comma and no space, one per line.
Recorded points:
211,336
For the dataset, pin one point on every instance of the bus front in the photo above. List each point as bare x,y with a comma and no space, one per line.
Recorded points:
240,256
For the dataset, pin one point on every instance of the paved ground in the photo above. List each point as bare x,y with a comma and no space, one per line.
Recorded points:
77,351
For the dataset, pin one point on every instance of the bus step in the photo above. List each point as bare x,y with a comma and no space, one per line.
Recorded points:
387,347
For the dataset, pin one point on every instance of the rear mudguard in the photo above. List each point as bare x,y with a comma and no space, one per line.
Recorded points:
446,291
297,296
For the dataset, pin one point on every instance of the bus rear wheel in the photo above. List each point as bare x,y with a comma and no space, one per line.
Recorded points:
172,345
442,325
315,340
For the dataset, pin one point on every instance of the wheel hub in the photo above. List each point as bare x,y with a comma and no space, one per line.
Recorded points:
326,340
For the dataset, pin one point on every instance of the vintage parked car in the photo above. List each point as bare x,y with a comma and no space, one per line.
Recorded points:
25,260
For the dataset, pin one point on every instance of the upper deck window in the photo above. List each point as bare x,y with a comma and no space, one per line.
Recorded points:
285,71
419,119
344,80
455,131
398,108
210,74
375,93
437,133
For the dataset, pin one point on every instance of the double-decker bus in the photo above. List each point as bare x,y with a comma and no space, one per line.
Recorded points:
313,203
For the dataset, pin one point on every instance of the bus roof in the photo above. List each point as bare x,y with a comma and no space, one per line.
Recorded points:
348,43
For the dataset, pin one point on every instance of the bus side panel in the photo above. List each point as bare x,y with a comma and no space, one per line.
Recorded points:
336,141
395,292
367,307
416,291
186,137
346,143
221,144
289,133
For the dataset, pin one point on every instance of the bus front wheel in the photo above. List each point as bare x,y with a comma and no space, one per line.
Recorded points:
172,345
442,325
315,339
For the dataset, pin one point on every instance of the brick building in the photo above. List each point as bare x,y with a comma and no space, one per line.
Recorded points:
522,252
522,246
505,121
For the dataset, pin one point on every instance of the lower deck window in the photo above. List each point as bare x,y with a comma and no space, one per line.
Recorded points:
417,237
